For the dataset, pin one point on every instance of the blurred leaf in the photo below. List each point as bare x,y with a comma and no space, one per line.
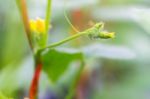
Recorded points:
57,6
113,13
12,79
108,51
56,61
11,34
2,96
142,17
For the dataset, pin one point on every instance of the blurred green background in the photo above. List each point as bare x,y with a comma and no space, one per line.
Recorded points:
115,69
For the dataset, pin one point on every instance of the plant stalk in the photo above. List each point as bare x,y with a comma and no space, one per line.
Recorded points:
33,93
23,11
75,82
65,40
48,15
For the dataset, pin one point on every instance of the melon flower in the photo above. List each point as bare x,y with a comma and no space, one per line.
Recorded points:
38,33
37,26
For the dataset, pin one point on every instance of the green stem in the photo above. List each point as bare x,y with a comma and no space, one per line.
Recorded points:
75,82
65,40
48,14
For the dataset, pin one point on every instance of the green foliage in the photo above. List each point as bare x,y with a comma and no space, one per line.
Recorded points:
11,36
2,96
56,62
107,78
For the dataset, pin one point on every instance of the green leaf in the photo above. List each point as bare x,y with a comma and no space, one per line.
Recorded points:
3,97
141,16
108,51
57,61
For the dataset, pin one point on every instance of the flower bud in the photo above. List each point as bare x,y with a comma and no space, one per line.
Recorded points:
37,26
38,33
97,32
107,35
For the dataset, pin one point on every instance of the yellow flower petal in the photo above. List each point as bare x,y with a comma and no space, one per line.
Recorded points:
40,25
37,25
32,25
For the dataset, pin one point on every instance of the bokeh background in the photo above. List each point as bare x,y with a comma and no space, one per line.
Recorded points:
115,69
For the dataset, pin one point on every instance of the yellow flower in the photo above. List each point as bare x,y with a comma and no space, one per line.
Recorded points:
37,25
40,25
32,25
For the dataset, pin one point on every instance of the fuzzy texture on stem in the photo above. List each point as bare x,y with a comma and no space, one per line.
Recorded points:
65,40
94,32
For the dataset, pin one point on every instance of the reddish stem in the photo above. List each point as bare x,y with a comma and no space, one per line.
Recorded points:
23,11
35,81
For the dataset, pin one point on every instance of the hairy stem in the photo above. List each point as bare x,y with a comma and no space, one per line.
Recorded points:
65,40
